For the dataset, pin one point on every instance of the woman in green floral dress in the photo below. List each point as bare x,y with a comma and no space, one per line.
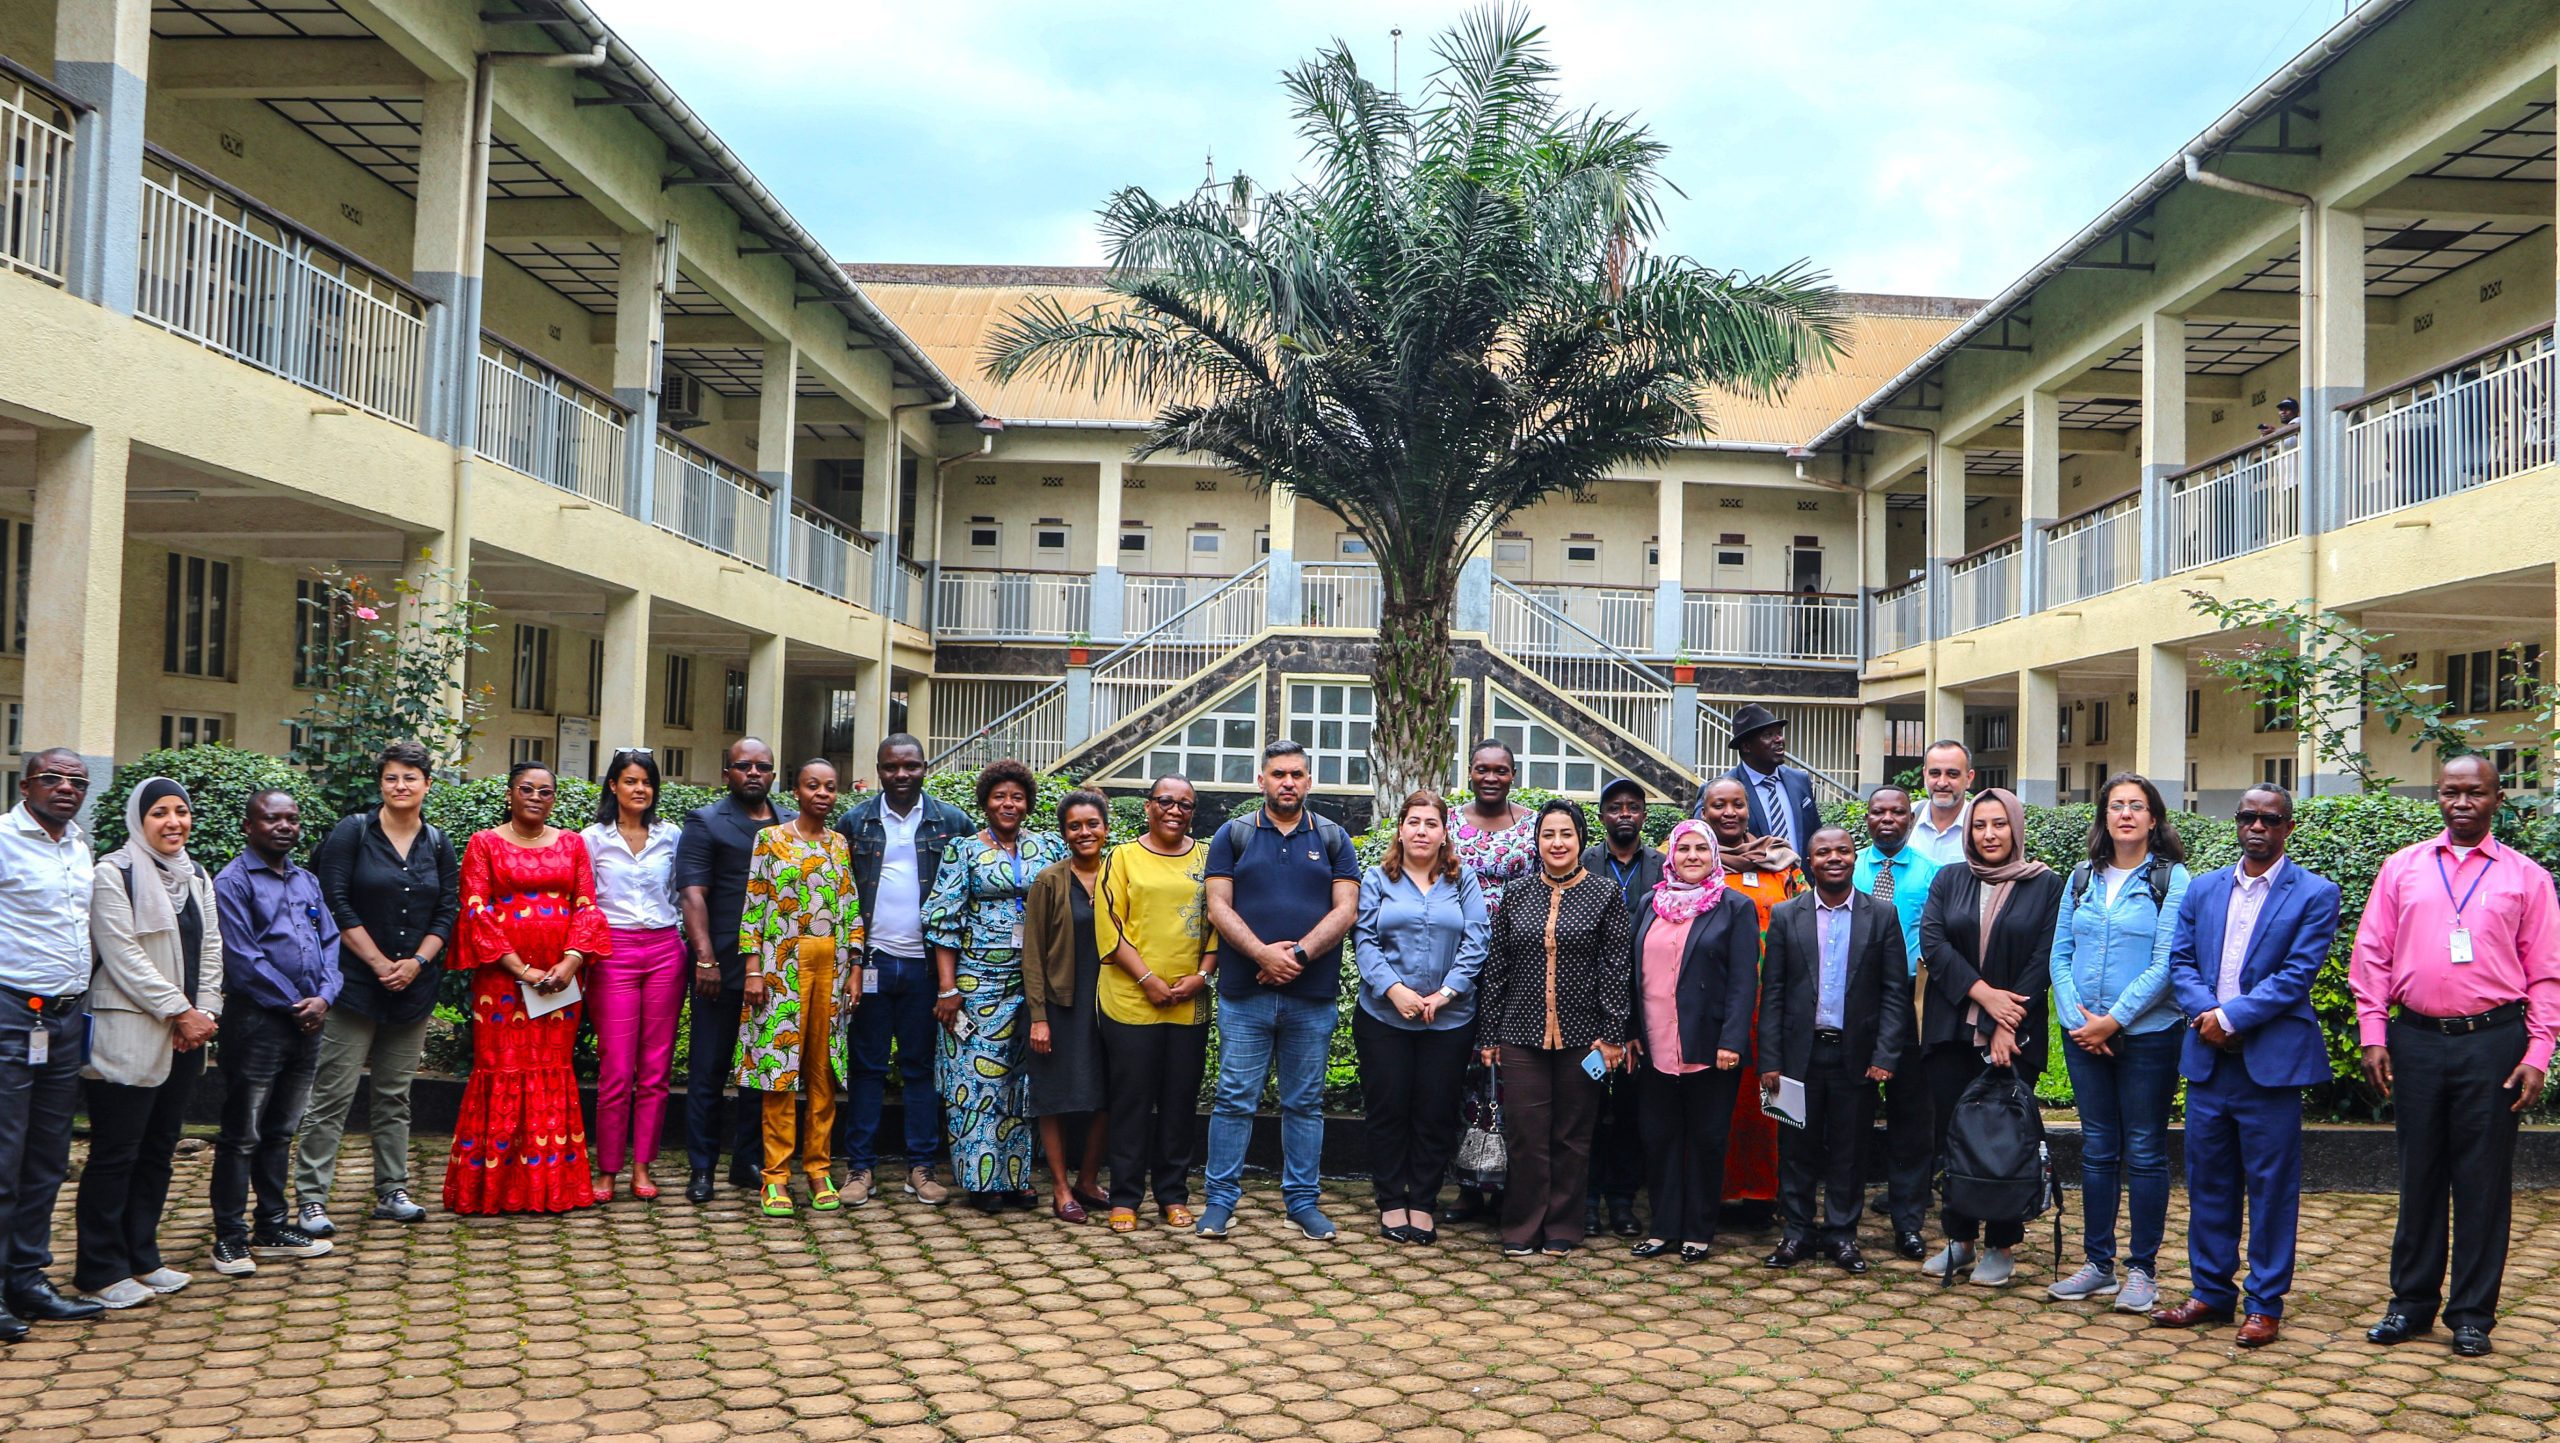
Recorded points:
973,922
801,937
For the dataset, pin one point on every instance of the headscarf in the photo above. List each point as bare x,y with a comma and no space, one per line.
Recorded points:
155,909
1678,901
1996,881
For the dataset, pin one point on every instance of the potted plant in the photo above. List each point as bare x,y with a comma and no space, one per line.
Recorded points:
1079,649
1684,672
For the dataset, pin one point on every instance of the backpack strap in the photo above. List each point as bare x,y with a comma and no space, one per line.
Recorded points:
2079,884
2160,882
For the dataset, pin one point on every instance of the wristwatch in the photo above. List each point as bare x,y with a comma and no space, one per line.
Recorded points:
1298,952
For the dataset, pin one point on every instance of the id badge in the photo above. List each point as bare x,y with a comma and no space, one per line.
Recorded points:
1015,942
1751,879
870,980
39,1046
2459,944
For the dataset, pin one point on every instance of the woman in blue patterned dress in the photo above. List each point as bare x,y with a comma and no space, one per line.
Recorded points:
973,922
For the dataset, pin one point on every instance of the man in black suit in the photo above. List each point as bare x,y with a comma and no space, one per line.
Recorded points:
1782,803
711,891
1835,1013
1617,1146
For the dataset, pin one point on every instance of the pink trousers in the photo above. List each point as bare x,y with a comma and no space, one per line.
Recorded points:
634,995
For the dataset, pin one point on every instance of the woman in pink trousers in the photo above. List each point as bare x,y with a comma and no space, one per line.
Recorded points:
635,993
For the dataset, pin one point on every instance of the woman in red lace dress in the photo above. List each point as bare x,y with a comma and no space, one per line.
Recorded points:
529,923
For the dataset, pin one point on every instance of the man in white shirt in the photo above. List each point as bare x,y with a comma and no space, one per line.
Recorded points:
1946,773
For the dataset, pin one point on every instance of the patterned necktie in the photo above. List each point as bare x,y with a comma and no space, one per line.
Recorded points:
1883,891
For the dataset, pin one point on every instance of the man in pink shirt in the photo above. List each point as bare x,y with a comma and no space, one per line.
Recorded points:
2456,976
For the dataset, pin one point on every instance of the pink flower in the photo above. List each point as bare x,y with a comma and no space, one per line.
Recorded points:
367,613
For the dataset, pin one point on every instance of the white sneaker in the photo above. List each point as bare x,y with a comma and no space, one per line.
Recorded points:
2141,1292
1952,1256
165,1280
122,1293
2091,1281
1995,1269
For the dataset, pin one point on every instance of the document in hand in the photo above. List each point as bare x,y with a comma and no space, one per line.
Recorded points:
538,1003
1786,1104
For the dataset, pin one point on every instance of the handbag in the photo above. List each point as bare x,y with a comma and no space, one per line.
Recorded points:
1482,1154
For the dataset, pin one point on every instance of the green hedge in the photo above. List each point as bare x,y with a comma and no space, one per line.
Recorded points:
219,780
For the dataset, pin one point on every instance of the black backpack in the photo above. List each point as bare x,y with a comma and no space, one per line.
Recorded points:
1999,1167
2159,879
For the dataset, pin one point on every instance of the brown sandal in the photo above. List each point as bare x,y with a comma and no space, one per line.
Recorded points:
1124,1220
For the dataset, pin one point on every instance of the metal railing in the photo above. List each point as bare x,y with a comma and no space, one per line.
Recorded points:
703,499
237,279
1768,626
830,557
2094,552
2481,419
1983,588
913,601
1618,616
1148,603
1581,664
2242,501
1901,616
1125,681
1348,595
35,180
1821,739
1030,605
976,721
549,427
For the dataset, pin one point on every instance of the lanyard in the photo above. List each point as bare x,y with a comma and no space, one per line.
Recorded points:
1015,857
1626,878
2486,862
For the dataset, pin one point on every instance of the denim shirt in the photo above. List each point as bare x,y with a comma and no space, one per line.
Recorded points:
2112,956
1425,940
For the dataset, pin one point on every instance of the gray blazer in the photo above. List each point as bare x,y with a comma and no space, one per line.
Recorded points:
139,985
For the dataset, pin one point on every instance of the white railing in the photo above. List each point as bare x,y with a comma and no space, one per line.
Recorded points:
238,281
549,427
699,498
1768,626
1578,663
1148,603
35,180
2094,552
827,556
1171,651
913,602
1032,605
1348,595
1621,616
975,722
1821,739
2234,504
2484,418
1983,588
1901,617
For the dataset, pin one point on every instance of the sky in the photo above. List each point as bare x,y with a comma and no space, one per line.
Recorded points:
1938,147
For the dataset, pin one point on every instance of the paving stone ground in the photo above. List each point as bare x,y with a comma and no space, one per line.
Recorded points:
907,1325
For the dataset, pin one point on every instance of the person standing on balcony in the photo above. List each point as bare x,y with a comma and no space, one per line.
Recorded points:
2456,976
1781,796
1946,774
1617,1142
1767,871
711,892
800,938
1696,959
1898,874
1283,891
898,839
1151,923
1061,973
638,987
1495,843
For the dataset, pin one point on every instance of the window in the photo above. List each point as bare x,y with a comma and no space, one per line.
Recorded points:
595,676
528,749
842,707
323,625
2192,787
1904,737
679,708
1207,542
1582,553
532,691
2271,716
13,717
1549,760
2485,681
2062,724
1137,545
1353,547
2097,723
17,553
2097,780
985,537
196,640
1991,732
186,729
2277,770
674,764
1049,544
2195,717
2519,768
733,701
1332,721
1222,744
1989,776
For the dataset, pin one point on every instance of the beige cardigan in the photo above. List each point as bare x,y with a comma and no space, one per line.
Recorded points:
139,985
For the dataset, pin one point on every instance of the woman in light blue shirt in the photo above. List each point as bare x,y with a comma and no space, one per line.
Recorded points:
1419,943
2111,995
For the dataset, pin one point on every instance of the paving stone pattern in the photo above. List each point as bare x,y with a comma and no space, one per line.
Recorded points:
907,1324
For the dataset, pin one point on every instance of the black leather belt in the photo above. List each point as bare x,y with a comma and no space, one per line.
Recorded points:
1827,1034
2461,1026
59,1005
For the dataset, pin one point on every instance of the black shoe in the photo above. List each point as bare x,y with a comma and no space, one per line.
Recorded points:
393,1206
282,1240
1911,1246
1849,1259
2396,1328
1519,1250
701,1188
1622,1220
1470,1206
13,1329
1650,1248
1881,1204
1789,1253
1695,1252
2471,1342
39,1303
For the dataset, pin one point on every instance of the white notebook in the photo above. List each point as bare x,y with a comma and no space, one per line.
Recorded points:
1787,1103
538,1003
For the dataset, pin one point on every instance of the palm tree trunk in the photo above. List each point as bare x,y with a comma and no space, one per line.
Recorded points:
1415,691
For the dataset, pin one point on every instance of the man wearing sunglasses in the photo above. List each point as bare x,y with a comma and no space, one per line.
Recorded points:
2249,940
44,1025
711,893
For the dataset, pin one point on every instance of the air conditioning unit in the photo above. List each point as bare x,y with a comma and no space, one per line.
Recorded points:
680,402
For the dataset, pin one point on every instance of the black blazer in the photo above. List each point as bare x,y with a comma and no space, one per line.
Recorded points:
2019,958
1795,784
712,853
1719,978
1875,1020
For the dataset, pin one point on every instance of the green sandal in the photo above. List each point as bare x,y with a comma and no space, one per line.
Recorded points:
822,1196
777,1200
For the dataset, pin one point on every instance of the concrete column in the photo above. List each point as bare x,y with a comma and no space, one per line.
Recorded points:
2332,356
2160,719
2035,738
1680,726
2164,431
1946,526
1474,611
777,422
2318,776
623,719
1107,606
871,718
443,265
102,56
638,345
75,597
1946,712
764,693
919,716
1670,598
1875,737
2039,495
1079,705
882,453
1284,603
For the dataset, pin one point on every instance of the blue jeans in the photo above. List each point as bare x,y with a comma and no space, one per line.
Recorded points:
2124,1134
900,1012
1258,1034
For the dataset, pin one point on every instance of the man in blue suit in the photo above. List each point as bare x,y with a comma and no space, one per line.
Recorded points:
1782,804
2249,940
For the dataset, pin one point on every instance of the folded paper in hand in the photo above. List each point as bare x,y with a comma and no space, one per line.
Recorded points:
538,1003
1787,1103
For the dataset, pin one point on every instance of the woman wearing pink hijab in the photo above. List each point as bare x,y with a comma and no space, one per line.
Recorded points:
1697,972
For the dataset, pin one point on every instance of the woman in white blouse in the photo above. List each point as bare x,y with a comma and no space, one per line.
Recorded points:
636,993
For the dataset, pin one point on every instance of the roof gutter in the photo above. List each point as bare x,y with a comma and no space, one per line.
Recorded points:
2252,108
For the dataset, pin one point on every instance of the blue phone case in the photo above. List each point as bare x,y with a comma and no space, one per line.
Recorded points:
1594,1066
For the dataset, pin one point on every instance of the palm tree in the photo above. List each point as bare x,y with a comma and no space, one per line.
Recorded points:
1452,318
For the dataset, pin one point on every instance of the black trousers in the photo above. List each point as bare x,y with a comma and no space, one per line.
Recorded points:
36,1104
2457,1139
133,1141
1951,1067
1909,1146
711,1054
1154,1072
1549,1105
267,1065
1683,1124
1618,1162
1818,1162
1411,1080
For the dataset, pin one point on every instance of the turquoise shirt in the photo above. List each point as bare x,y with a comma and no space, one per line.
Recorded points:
2111,954
1913,871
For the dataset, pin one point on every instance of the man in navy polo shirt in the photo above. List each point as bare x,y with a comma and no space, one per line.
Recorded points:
1284,885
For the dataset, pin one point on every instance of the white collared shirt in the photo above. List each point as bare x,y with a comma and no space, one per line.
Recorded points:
896,923
635,893
2248,898
44,906
1944,846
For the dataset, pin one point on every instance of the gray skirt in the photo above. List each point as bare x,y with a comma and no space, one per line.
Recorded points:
1070,1078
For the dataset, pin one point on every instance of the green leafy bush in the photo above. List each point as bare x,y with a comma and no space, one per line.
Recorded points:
219,780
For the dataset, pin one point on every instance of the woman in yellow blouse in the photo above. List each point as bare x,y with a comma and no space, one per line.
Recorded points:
1151,925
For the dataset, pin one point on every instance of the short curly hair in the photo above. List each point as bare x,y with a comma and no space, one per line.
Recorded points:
998,773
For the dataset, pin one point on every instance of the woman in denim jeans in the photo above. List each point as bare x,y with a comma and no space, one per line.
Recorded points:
2111,994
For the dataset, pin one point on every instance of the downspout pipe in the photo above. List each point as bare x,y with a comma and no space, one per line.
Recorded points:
894,585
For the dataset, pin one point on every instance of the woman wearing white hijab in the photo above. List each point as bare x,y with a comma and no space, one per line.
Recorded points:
153,1001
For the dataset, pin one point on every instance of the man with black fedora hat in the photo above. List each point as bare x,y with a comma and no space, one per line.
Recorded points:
1782,802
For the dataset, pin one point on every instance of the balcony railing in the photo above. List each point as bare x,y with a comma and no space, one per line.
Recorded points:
1983,588
220,270
1821,739
914,602
35,179
1224,616
1348,595
1902,616
975,721
2094,552
2242,501
1768,626
1031,605
704,499
1571,657
2483,418
549,427
1149,601
828,556
1622,616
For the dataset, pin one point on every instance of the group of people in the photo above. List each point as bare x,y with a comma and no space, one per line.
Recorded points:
1553,1019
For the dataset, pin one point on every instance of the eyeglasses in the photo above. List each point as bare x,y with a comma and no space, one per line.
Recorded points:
72,780
540,794
2128,807
2260,819
1172,804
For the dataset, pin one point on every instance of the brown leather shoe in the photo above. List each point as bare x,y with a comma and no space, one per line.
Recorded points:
2193,1314
2256,1331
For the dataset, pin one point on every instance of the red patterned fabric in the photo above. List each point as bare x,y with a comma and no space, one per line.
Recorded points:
1751,1152
520,1145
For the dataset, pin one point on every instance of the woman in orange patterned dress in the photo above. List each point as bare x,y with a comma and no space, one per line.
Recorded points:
1765,870
529,924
